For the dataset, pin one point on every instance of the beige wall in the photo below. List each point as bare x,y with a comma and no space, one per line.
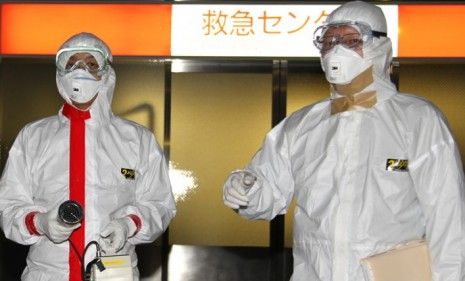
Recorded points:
218,122
27,87
139,94
444,85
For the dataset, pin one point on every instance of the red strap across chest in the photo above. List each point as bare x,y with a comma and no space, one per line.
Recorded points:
77,176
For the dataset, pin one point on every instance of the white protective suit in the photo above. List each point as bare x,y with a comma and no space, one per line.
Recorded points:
350,204
36,178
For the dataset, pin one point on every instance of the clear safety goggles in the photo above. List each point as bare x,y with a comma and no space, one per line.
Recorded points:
98,65
354,35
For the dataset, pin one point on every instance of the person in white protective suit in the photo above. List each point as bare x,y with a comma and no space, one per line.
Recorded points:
369,167
112,167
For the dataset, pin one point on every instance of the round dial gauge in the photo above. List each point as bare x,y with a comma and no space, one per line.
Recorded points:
70,212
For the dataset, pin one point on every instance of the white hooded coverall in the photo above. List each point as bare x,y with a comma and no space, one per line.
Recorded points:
36,178
364,180
349,203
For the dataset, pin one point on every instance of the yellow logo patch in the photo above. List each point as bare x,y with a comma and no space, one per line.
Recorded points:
397,165
128,173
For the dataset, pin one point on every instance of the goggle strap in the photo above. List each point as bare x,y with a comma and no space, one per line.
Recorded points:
378,34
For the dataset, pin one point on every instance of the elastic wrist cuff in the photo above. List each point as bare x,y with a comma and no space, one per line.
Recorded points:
29,221
137,221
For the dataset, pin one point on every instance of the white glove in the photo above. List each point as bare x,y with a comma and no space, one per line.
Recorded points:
236,188
49,225
115,235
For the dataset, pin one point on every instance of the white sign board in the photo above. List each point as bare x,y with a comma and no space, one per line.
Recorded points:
254,30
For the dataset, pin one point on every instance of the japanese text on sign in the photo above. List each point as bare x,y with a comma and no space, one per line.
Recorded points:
242,22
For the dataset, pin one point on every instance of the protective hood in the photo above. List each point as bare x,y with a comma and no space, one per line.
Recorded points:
87,42
378,54
359,11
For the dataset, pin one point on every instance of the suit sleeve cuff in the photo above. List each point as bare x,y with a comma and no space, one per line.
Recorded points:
29,221
137,221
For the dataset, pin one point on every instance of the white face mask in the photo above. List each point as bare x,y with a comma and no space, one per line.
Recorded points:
80,86
341,65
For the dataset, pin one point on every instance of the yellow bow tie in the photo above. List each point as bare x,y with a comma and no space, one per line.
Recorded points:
353,102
